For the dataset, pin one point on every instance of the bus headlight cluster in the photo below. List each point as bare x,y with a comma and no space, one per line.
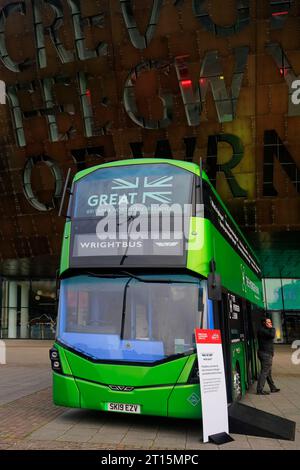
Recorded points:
55,360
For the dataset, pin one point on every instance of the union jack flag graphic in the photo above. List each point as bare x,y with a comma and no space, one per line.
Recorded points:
147,183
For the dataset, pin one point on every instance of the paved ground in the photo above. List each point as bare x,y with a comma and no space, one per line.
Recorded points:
33,422
27,369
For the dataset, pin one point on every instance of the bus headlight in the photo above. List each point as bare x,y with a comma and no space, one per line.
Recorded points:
53,354
55,360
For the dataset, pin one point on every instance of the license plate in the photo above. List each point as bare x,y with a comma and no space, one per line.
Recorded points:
123,408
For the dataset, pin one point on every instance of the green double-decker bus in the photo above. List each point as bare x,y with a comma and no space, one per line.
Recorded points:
149,253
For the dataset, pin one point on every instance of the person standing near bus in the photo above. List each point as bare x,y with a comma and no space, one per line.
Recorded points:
265,336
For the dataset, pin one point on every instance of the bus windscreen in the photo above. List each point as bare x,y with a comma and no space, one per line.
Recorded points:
120,318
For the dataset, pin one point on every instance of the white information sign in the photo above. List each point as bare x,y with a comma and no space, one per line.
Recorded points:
212,382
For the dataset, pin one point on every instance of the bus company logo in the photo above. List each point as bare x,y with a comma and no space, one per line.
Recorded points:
194,399
166,244
248,284
86,245
121,388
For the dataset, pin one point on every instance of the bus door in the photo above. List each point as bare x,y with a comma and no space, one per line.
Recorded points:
221,321
246,337
249,342
238,346
255,318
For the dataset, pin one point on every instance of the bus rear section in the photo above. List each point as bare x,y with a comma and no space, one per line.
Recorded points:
126,343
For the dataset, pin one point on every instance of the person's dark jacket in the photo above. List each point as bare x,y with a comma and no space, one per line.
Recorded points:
265,337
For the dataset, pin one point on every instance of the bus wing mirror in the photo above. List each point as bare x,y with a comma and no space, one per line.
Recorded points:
214,287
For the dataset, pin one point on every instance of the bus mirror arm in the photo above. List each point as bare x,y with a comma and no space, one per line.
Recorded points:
201,182
65,191
214,283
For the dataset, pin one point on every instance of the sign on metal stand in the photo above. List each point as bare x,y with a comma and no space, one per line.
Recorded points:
212,386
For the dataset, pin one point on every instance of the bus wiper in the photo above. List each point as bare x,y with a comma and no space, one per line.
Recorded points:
109,276
153,281
124,308
130,219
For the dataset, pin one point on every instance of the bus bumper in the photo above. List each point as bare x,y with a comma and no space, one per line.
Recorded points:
179,401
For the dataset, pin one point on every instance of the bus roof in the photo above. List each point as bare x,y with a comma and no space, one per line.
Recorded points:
188,166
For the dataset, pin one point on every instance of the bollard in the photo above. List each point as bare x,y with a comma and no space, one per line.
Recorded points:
2,92
2,353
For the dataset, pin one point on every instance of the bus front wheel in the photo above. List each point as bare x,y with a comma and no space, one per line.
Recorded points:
237,384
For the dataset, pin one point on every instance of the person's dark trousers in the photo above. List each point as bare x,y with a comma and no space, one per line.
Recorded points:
266,361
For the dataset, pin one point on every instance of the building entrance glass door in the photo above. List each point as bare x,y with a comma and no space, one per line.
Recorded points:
28,309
